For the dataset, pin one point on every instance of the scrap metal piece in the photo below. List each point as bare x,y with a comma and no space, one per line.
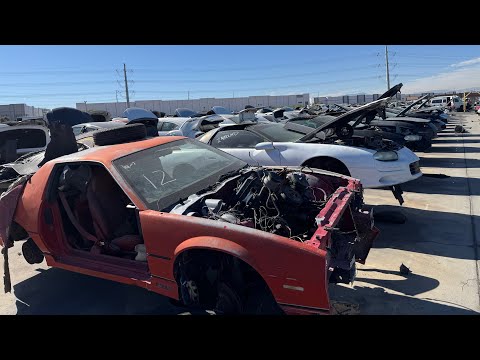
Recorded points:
404,270
397,192
344,308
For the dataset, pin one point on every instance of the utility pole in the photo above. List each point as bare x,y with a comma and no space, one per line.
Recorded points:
116,104
188,95
126,83
388,71
85,105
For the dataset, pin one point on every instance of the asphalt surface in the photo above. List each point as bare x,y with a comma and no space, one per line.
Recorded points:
439,243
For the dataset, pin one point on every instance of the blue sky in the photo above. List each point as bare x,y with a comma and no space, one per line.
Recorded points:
53,76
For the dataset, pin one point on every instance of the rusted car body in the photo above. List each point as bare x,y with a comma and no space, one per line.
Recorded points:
73,221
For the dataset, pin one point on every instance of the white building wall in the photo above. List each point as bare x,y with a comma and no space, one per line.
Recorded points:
203,104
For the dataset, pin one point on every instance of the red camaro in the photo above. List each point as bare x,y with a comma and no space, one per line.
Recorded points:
183,219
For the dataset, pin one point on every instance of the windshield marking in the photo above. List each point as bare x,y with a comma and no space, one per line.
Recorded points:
225,137
150,182
128,166
163,177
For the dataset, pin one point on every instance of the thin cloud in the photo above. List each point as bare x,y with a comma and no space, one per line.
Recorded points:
465,77
467,62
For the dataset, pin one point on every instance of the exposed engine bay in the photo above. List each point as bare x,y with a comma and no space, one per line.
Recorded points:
287,203
281,203
369,142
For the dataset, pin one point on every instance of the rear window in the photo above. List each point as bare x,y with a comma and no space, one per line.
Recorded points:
276,132
231,139
26,138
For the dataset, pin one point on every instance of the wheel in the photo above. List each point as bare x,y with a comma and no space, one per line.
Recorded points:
120,135
344,131
31,252
228,301
330,164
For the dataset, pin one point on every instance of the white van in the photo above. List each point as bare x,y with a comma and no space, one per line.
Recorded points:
452,102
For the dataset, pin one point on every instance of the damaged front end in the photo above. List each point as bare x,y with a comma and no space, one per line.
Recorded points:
314,207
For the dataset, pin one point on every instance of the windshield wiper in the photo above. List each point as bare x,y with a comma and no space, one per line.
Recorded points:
231,173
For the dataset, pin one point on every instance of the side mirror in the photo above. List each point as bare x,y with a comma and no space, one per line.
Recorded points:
175,133
264,146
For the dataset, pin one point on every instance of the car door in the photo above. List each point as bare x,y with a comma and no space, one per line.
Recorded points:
242,143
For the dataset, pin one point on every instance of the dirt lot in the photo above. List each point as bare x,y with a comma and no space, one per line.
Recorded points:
438,243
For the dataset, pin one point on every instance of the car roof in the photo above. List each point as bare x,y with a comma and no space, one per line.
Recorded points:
107,154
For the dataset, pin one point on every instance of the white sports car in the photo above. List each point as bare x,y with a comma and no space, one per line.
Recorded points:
376,162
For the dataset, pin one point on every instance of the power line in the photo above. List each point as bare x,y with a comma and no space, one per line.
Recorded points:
199,90
152,81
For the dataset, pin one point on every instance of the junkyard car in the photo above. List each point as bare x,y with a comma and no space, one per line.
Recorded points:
375,161
183,219
94,126
16,141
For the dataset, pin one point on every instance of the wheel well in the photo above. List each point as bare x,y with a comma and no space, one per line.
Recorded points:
17,232
328,163
218,267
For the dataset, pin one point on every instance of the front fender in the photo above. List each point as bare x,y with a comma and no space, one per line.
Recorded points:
217,244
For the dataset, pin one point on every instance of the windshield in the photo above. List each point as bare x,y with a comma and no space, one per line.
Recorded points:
163,175
220,110
184,112
77,130
276,132
313,122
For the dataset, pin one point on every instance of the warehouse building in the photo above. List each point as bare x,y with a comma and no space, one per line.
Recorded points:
15,111
350,99
168,106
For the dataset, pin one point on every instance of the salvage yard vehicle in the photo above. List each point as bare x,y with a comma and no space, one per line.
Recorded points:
93,126
375,161
16,141
191,127
185,220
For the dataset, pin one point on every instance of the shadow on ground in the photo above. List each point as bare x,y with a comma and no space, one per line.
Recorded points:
453,149
374,301
452,185
57,291
458,141
446,228
449,163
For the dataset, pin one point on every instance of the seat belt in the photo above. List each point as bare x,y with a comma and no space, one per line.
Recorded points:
85,234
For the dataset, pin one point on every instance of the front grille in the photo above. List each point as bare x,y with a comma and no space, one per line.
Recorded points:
415,167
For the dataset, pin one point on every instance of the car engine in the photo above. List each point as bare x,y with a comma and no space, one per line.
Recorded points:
280,202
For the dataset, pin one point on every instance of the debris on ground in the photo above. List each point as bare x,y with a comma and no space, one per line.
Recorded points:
404,270
459,129
344,308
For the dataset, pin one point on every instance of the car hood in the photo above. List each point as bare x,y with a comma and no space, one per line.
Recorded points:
407,109
355,115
